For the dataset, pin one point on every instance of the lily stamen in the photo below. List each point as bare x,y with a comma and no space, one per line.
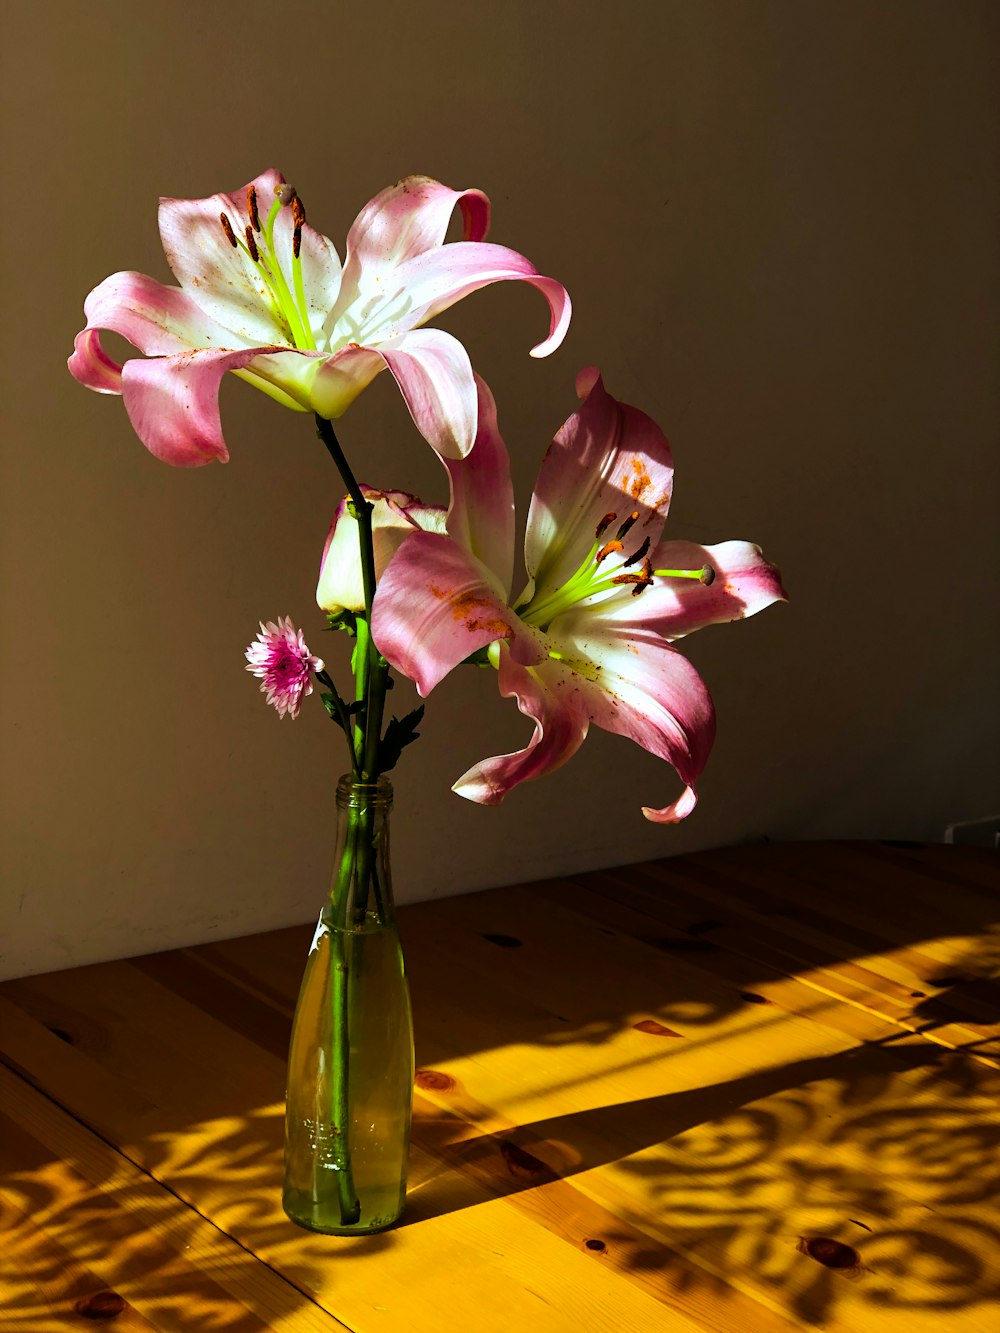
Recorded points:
587,582
252,207
227,228
629,522
298,212
286,196
252,245
604,524
641,581
294,312
634,559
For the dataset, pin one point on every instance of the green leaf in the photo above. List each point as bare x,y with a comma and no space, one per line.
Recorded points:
349,709
346,620
331,708
398,734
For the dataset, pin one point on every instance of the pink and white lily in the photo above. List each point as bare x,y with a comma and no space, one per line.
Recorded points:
395,515
589,638
262,294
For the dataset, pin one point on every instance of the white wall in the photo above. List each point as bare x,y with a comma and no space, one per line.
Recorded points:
776,222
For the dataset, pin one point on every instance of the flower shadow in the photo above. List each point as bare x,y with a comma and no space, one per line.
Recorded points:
794,1176
861,1177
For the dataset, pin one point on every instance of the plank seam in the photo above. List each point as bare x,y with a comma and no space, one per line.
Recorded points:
116,1148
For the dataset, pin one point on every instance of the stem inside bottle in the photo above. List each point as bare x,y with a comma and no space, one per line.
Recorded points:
350,1075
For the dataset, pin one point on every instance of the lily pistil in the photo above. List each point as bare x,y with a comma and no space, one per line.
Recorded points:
257,243
604,568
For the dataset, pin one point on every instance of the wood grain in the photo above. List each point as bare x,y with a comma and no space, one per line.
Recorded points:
750,1090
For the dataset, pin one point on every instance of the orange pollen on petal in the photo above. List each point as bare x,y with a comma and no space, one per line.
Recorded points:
606,550
252,207
604,524
464,606
636,482
227,227
494,626
252,245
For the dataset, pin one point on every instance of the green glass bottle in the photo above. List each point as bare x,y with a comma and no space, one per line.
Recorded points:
350,1066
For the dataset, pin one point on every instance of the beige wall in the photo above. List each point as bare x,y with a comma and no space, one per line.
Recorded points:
776,221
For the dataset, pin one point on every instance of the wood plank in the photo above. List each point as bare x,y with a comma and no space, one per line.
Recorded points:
880,985
89,1237
626,1117
222,1161
765,914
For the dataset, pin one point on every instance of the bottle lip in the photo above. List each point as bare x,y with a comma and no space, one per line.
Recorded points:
353,795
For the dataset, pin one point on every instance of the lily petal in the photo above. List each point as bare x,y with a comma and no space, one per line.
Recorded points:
608,458
92,366
333,383
743,584
434,606
173,403
560,729
481,513
158,320
434,375
403,221
416,291
224,281
635,685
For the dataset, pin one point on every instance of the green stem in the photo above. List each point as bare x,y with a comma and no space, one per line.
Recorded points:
357,863
370,667
377,683
343,716
362,670
340,1039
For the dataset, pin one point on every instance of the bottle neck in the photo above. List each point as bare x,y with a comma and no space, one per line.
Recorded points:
361,889
354,795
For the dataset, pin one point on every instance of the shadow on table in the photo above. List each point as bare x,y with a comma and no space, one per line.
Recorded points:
726,1165
884,1155
892,1139
87,1241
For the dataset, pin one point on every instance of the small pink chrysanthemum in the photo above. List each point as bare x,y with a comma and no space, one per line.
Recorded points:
283,662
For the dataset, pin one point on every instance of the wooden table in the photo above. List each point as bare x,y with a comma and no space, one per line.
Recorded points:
748,1090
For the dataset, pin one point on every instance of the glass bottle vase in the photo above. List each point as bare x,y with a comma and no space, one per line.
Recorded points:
350,1066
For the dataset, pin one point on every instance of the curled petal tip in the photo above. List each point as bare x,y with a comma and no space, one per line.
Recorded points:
673,814
562,312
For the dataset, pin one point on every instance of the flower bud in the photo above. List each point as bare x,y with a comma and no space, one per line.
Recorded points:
395,515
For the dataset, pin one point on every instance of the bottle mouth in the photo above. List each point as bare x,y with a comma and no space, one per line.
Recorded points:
355,795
